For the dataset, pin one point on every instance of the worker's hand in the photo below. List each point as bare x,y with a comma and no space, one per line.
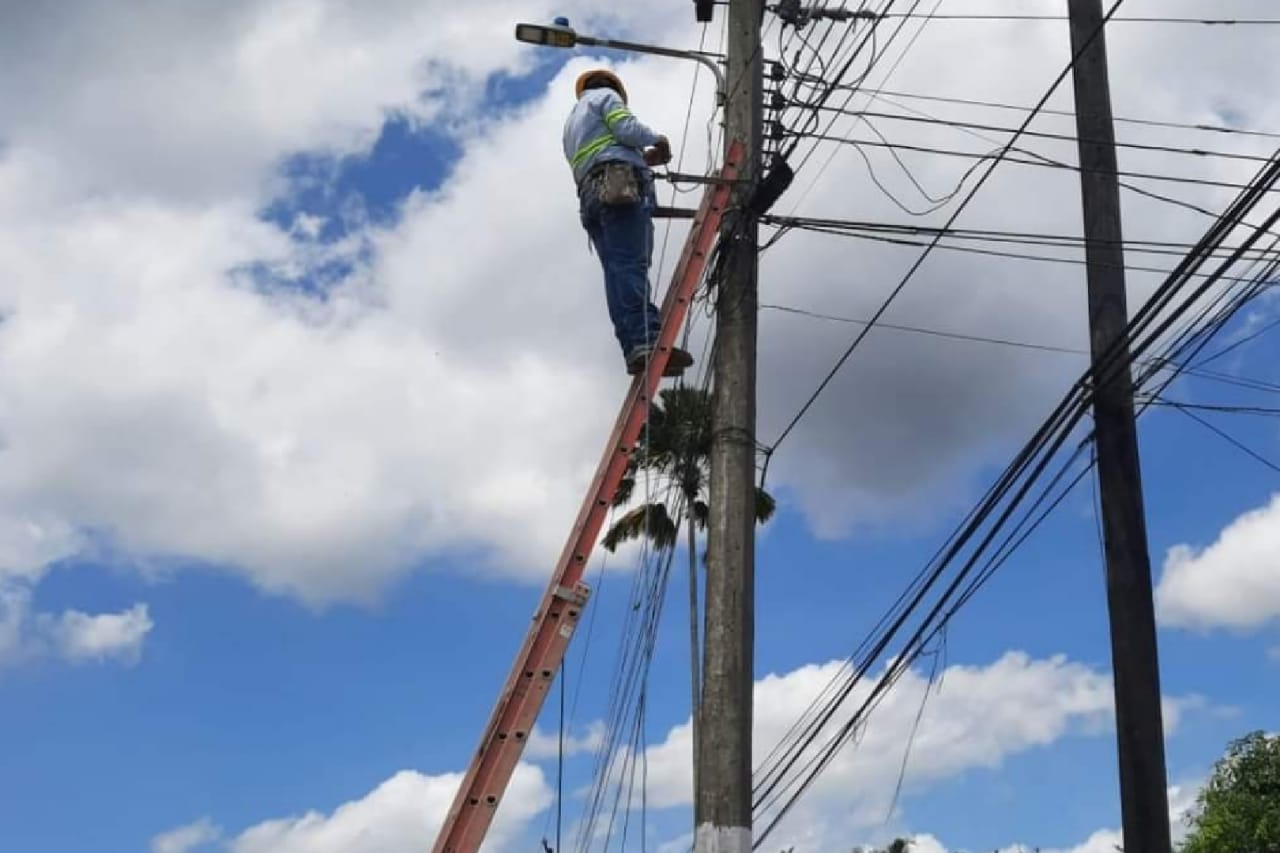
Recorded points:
659,154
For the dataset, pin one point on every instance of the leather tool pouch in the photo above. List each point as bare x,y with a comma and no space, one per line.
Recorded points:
618,184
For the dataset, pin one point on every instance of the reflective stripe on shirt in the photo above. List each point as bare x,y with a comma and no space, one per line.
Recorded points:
615,115
595,146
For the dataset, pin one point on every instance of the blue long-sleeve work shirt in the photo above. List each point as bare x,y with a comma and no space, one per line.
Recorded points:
601,128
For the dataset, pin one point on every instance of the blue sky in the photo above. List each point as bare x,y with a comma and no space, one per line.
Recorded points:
335,498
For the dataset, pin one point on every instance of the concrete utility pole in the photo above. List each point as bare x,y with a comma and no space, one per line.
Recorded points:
722,803
1139,727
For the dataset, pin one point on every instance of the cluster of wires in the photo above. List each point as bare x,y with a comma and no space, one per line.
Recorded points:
1166,335
909,275
789,137
620,774
818,100
1138,182
853,57
620,759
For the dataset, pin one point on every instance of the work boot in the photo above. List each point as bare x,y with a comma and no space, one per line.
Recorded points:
639,359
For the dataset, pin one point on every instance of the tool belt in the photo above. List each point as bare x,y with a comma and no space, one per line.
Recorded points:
615,183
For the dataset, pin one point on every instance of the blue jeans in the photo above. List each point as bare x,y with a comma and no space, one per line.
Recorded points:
623,238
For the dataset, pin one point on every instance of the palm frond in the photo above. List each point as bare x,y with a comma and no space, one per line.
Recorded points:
626,486
701,512
651,521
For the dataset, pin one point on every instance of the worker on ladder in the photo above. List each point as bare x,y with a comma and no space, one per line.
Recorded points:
611,152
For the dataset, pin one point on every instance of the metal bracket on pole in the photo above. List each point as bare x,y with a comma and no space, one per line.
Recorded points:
560,34
635,47
689,178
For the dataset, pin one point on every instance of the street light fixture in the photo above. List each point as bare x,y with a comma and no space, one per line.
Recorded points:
560,34
554,36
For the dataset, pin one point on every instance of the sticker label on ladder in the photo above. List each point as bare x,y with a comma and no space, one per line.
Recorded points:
566,630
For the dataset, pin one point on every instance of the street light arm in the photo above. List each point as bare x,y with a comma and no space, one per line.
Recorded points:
635,47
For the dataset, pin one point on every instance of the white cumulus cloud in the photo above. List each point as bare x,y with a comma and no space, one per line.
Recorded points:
1102,841
84,637
72,635
15,604
547,744
401,815
1181,800
184,839
977,717
1233,583
448,398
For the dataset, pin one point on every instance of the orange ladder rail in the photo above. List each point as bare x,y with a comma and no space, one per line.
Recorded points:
561,607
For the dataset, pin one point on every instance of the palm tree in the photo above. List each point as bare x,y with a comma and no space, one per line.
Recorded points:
676,447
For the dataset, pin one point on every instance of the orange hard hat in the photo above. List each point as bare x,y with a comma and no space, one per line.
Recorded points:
613,79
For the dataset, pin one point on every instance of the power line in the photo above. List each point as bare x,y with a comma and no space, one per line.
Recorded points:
1223,408
1195,371
1126,20
684,138
1066,137
1188,343
1247,383
886,94
974,250
1225,436
1257,333
1033,159
919,330
635,657
1064,241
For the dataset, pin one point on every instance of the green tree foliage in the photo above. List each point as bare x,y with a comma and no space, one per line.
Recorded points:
898,845
1239,809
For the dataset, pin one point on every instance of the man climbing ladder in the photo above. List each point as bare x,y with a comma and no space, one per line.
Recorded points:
542,653
610,152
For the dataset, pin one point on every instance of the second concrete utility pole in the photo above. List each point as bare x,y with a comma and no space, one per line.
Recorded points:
1144,798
